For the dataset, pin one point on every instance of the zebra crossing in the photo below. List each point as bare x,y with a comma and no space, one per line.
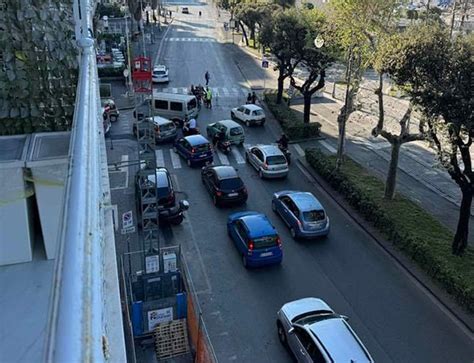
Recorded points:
195,39
171,160
216,91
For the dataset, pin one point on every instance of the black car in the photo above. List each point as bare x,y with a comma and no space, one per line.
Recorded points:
224,185
164,186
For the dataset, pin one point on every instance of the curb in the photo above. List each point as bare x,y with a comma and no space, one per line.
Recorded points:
445,301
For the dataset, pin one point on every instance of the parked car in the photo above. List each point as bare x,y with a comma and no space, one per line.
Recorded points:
196,149
185,10
224,185
160,74
256,239
110,107
164,187
315,333
165,130
233,132
302,212
248,114
268,160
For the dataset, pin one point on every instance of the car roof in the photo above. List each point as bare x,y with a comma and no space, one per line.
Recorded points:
258,225
229,123
252,107
171,96
225,171
196,140
160,68
270,150
305,201
339,341
160,120
162,175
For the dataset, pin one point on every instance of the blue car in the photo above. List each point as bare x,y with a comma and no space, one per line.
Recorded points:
302,213
255,238
196,149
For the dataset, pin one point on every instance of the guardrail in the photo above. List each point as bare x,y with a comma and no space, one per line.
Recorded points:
76,324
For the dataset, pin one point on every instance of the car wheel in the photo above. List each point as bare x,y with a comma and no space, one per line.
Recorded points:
244,261
188,162
274,208
247,123
281,333
293,233
260,174
262,123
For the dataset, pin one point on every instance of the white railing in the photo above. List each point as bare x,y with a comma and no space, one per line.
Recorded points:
77,330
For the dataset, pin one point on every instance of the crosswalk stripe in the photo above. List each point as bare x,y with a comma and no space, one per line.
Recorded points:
184,90
226,91
244,90
299,150
223,158
175,90
237,156
160,160
215,91
175,160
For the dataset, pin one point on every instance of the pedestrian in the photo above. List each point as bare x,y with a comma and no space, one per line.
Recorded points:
253,98
249,98
209,97
207,76
193,90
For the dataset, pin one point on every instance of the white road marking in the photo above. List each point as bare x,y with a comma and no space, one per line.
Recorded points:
226,92
175,160
215,91
222,157
237,156
124,167
160,160
327,146
299,150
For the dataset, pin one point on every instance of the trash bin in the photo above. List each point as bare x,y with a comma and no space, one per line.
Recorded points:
48,163
16,227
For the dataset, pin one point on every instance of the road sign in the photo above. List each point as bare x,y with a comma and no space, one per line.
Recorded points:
128,230
127,220
264,62
152,264
126,72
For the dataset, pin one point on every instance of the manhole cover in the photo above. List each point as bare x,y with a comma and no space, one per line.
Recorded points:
118,179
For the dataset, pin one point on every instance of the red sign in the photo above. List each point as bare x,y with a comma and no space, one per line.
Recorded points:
141,75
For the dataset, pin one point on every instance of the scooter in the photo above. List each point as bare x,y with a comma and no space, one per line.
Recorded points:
174,215
224,146
285,152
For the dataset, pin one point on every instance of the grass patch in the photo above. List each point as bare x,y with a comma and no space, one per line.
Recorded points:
404,223
291,121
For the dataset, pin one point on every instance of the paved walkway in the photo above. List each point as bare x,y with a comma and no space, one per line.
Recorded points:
420,178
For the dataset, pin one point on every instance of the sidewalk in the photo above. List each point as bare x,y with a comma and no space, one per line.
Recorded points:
419,177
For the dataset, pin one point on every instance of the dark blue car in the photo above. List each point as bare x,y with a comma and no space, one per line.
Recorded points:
196,149
256,239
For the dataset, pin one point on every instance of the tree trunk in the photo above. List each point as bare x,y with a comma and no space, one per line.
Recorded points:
281,79
244,33
252,36
460,238
391,181
307,107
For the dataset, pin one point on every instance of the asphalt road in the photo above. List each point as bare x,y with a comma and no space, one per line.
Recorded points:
396,320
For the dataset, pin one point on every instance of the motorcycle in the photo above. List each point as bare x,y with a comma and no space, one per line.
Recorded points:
224,146
187,131
285,152
174,215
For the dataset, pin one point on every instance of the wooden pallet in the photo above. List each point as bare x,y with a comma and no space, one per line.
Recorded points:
171,339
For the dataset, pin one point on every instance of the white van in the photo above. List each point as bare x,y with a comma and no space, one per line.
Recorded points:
174,106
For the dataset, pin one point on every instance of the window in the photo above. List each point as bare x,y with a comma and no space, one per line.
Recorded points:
176,106
276,160
241,109
202,147
161,104
314,216
247,111
240,230
265,242
257,112
236,131
258,154
231,183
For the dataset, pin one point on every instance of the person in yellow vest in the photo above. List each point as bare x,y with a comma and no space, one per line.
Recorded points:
209,97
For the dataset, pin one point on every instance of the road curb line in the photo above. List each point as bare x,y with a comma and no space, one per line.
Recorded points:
445,303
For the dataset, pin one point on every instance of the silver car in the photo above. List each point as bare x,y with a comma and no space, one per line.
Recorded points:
315,333
268,160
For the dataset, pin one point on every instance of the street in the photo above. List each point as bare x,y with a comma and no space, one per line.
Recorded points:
395,318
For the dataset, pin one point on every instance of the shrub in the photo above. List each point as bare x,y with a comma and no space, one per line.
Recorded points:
404,223
111,71
290,121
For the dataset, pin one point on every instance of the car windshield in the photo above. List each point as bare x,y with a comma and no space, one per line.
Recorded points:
236,131
202,147
265,242
159,73
231,183
276,159
314,316
314,216
167,126
192,104
257,112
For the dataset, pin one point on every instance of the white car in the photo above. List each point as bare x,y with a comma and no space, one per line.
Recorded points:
160,74
249,114
268,160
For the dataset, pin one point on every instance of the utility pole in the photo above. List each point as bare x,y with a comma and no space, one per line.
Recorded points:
453,16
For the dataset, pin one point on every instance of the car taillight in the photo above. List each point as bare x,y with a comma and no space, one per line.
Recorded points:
299,222
265,166
244,190
193,150
250,246
279,241
157,129
218,193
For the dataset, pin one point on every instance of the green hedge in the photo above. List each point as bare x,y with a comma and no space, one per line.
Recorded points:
290,121
404,223
111,71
